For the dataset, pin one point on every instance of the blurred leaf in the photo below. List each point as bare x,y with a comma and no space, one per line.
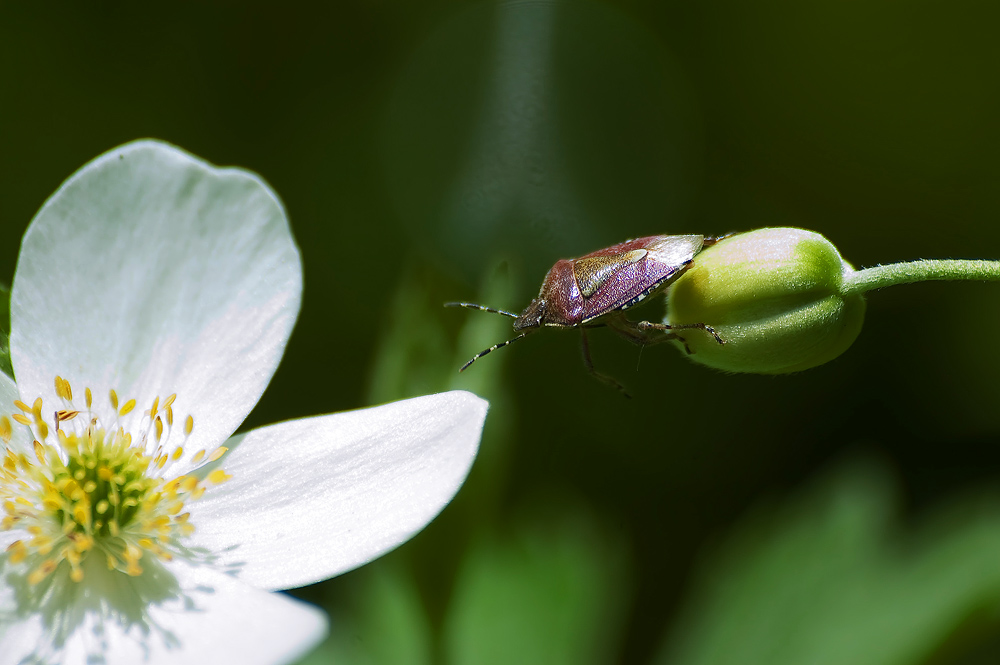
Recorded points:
481,330
5,365
552,594
387,624
416,354
829,578
413,355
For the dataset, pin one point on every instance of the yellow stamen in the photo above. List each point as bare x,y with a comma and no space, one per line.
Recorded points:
89,489
218,477
63,389
18,551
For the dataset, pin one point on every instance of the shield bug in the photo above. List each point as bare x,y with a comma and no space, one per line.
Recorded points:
595,290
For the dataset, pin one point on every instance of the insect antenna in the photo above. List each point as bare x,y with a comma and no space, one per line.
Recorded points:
482,308
492,349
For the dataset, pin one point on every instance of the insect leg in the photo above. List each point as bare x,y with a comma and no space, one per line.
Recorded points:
642,332
589,364
632,331
643,326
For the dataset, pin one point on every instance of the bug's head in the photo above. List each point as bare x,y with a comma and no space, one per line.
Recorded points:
532,316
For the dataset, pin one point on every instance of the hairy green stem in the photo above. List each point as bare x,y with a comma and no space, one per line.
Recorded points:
878,277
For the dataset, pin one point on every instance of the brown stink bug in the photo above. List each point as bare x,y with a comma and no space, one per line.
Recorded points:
595,290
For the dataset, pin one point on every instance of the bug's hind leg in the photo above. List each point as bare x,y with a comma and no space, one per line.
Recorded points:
645,326
645,333
638,333
589,364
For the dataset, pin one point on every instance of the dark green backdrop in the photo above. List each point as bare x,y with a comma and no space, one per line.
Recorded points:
445,150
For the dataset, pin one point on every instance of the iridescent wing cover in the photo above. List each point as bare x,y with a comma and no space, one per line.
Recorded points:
607,278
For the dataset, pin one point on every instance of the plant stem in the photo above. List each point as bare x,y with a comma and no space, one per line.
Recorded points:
878,277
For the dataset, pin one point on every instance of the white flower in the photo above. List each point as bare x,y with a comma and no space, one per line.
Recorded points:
153,298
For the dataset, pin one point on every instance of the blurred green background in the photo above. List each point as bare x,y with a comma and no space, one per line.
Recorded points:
448,150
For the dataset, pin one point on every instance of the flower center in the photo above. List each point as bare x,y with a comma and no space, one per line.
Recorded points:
94,487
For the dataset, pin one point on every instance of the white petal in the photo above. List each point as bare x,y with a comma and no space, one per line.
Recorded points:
316,497
8,537
21,437
208,617
152,272
19,637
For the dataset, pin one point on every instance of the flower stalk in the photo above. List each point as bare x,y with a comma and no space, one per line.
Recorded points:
869,279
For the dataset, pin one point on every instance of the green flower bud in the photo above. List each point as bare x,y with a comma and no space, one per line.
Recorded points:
775,297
